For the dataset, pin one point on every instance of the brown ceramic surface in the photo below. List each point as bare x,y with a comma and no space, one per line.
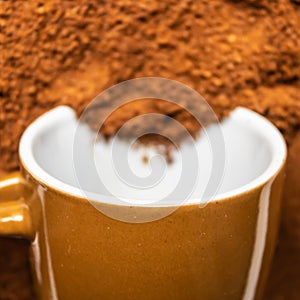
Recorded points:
194,253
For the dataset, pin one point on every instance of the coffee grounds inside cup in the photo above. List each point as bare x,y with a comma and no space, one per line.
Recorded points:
163,124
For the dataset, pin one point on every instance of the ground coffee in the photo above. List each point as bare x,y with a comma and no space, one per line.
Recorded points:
232,52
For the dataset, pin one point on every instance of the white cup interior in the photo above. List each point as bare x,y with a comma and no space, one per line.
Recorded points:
254,152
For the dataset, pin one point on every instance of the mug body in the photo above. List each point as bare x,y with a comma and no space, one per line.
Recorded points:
220,251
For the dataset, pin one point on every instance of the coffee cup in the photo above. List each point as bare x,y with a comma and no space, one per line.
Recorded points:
85,248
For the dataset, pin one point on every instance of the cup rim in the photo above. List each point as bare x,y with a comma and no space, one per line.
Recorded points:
65,113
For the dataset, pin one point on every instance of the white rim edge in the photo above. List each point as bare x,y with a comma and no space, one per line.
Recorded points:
62,114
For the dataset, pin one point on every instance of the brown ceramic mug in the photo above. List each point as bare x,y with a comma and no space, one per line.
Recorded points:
221,250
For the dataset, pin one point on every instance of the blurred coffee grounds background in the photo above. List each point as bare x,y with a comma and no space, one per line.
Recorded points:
232,52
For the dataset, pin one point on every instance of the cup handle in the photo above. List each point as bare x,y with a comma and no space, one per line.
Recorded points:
15,217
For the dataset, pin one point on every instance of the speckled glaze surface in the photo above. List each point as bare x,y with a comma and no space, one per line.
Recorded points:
194,253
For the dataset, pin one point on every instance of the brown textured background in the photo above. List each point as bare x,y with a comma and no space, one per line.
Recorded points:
233,52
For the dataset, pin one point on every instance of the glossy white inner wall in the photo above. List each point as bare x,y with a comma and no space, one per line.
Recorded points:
254,150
